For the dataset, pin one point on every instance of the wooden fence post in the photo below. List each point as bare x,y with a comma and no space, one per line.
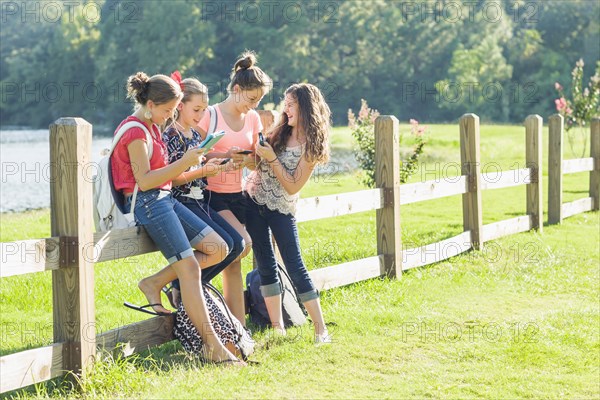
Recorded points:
533,160
555,161
471,167
387,177
595,153
71,220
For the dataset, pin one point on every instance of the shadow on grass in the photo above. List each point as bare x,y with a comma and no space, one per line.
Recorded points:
576,191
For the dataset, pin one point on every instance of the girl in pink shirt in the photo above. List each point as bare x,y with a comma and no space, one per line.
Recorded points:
241,123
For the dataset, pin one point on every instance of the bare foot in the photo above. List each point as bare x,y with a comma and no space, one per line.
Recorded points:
220,355
152,294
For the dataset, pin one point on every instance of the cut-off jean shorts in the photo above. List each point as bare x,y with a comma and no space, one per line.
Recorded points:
173,227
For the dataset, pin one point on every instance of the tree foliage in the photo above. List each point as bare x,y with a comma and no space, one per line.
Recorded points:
410,59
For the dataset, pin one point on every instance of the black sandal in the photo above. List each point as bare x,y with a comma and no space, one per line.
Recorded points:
144,309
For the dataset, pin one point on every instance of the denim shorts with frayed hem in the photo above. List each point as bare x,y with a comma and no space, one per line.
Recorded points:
174,229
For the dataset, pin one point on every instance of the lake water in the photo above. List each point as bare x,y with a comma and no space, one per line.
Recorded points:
25,167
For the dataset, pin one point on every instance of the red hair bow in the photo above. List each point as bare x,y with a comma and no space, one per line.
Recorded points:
176,76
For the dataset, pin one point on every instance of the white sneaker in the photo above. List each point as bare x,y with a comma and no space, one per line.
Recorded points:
323,338
279,331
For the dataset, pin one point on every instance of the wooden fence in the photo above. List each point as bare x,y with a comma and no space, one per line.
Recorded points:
557,167
74,248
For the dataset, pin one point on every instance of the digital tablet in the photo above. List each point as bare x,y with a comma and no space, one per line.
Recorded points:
211,140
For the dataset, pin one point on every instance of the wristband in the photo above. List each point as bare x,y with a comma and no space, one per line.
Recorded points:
273,160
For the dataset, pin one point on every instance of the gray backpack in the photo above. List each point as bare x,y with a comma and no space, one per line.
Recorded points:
294,313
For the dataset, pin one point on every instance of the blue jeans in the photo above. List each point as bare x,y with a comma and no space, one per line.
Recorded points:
234,240
261,221
174,229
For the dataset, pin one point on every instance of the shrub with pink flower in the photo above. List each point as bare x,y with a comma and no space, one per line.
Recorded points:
363,132
583,105
579,110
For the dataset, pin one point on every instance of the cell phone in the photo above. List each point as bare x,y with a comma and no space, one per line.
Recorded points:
261,139
211,140
244,152
225,161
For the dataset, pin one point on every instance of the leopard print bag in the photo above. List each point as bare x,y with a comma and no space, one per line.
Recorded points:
226,326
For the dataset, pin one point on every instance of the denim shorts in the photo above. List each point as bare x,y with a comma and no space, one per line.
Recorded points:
174,229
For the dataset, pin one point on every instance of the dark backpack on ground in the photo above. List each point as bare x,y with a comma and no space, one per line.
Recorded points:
226,326
294,313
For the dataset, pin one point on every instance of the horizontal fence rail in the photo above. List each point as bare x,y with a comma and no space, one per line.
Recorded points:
436,252
433,189
506,179
347,273
71,249
139,336
31,366
507,227
577,207
578,165
336,205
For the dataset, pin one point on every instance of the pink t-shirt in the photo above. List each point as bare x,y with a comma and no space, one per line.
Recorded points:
121,163
246,138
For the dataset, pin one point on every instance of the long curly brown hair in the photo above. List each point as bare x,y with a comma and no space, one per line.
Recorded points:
314,122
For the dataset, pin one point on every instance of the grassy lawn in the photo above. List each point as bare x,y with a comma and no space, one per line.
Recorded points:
518,319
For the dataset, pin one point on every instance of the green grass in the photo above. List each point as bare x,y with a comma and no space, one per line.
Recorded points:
518,319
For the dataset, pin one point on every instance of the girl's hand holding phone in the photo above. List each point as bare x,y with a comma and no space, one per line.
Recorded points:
265,152
194,156
215,166
233,153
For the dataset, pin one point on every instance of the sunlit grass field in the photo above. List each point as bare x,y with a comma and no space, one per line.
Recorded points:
518,319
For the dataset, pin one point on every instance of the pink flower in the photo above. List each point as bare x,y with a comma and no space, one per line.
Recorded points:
364,111
557,86
374,116
561,104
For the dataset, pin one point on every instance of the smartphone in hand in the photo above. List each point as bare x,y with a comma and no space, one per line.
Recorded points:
261,139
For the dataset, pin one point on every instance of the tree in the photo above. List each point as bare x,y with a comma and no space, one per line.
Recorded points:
479,73
147,36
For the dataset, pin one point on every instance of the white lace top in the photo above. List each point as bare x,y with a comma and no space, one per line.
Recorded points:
262,184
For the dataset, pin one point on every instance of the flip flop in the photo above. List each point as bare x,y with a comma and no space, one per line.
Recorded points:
144,309
168,291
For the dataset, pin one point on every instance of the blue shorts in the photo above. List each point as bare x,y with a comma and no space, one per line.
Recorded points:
234,202
174,228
